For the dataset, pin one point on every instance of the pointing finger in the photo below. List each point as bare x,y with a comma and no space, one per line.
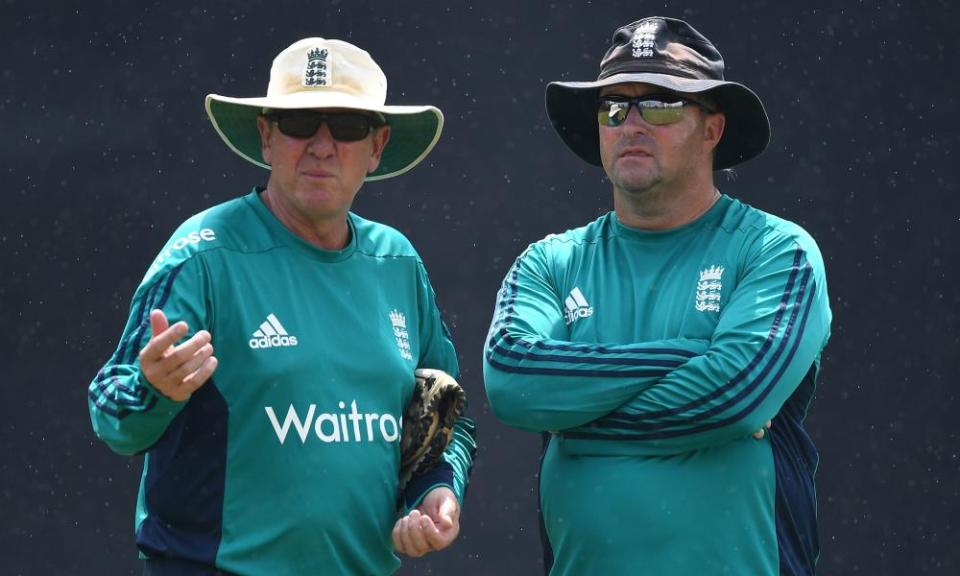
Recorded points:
158,321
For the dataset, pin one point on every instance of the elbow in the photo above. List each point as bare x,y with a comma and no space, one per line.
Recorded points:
504,412
119,445
503,396
514,405
498,392
111,436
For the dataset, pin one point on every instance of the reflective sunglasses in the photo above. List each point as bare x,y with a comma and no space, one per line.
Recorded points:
656,109
344,126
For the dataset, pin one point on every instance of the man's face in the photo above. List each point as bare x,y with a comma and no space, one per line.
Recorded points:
318,177
638,156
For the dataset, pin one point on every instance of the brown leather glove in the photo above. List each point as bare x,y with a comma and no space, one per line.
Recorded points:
437,402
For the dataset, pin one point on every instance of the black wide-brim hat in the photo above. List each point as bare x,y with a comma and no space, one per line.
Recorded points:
669,53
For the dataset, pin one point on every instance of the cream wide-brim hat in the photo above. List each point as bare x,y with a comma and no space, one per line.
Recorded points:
319,73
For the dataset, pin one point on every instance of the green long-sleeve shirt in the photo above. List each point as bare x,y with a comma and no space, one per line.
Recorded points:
650,358
286,461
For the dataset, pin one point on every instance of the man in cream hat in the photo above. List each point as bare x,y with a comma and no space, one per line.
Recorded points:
654,346
271,347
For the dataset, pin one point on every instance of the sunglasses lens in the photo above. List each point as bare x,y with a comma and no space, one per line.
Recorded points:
299,125
654,111
612,112
344,127
659,113
349,127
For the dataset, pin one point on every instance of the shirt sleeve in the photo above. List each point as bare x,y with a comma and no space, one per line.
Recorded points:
769,336
538,380
437,351
127,412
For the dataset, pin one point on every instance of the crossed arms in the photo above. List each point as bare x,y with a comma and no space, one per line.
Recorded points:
665,396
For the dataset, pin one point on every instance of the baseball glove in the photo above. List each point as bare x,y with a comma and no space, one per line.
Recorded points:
438,400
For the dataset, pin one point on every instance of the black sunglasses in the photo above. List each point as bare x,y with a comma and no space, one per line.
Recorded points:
656,109
344,126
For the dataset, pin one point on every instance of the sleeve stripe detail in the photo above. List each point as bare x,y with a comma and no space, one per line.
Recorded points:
107,391
725,421
503,334
571,372
605,349
121,355
505,301
106,388
588,359
759,357
119,412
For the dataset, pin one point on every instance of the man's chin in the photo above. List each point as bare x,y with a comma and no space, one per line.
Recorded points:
632,183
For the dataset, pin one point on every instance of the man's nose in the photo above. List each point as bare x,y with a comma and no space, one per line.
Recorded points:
322,142
634,120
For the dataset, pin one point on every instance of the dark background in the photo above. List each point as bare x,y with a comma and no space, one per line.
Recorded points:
106,149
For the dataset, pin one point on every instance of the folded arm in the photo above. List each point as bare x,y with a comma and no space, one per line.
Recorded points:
769,336
538,380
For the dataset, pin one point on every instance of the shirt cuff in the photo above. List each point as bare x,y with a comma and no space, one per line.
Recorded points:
420,486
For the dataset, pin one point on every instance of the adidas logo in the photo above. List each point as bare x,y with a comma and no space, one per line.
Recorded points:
577,306
272,334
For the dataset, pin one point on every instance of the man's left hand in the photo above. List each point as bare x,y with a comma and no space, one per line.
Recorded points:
759,434
432,526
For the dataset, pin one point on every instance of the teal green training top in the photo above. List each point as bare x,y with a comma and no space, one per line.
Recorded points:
286,461
648,359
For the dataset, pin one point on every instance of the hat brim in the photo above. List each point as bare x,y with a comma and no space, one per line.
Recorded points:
414,130
572,108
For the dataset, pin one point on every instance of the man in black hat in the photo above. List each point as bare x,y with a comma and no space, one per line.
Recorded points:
654,346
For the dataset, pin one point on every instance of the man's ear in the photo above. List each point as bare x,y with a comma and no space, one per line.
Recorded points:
265,127
713,125
380,138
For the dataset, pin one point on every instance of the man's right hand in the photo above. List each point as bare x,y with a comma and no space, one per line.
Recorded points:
176,371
